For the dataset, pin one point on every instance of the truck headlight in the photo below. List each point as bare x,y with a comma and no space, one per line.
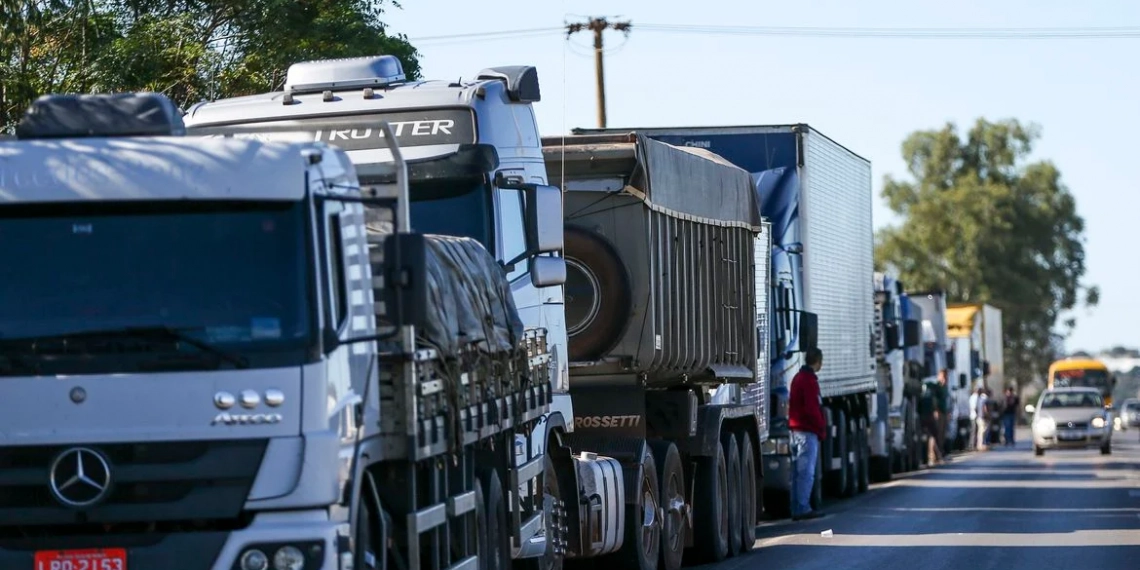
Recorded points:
1098,422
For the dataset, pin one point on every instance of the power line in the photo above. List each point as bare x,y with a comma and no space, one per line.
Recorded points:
598,26
1118,32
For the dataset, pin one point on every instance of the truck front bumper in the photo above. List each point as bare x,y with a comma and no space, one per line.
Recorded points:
319,540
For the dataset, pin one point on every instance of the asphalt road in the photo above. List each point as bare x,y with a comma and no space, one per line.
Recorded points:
1003,509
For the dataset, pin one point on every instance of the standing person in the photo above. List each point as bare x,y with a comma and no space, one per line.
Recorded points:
984,418
805,420
1009,415
978,412
975,432
928,416
944,408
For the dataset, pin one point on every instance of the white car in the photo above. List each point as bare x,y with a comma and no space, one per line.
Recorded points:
1071,418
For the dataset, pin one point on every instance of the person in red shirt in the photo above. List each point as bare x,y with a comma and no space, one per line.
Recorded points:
805,420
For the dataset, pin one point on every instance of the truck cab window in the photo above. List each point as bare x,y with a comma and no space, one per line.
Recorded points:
337,281
512,230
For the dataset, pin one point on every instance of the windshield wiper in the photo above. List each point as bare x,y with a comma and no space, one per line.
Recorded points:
158,332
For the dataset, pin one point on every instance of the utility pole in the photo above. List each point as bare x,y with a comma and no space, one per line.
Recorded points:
599,25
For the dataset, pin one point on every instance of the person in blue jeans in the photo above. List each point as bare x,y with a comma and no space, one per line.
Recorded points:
805,420
1009,415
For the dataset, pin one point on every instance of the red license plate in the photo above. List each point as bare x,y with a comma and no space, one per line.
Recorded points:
88,559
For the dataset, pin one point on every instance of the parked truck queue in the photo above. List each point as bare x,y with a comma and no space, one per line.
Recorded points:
380,323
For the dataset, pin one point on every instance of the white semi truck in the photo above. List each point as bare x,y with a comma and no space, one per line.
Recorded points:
894,429
675,462
236,368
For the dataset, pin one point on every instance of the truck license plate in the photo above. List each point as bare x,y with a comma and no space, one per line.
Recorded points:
87,559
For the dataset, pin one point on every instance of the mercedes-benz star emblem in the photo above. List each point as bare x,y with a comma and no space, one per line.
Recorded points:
80,477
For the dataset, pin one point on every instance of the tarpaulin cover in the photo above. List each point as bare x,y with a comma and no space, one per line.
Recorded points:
122,114
469,297
726,192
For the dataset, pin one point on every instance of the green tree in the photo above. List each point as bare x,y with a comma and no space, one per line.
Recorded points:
190,50
987,227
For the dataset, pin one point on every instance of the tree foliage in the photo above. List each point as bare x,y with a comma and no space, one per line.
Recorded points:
190,50
987,227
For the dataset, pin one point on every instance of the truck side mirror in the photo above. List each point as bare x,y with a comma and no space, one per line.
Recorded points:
543,219
809,331
962,381
546,271
985,368
912,333
891,336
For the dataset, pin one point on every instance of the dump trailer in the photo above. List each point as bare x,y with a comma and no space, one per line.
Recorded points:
666,301
817,196
260,381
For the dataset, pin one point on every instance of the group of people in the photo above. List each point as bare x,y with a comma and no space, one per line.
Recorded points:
984,410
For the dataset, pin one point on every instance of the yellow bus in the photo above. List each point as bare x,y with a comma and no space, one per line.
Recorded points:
1084,372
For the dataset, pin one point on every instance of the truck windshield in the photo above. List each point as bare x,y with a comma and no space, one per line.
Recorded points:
453,207
102,288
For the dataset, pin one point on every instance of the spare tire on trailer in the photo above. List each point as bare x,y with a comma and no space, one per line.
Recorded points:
598,295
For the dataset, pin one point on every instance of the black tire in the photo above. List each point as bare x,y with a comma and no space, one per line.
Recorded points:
1038,451
748,493
710,507
863,458
366,551
482,542
671,480
641,548
882,468
1106,449
732,464
837,479
597,294
498,553
552,559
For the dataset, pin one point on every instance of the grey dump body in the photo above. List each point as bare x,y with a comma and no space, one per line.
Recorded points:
684,225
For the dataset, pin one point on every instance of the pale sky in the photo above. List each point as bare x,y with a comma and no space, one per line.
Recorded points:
867,93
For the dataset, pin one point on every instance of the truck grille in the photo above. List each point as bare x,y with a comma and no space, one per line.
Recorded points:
150,482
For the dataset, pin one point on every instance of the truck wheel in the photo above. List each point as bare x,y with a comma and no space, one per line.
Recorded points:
881,467
671,478
851,457
552,559
864,458
498,553
710,507
732,464
597,295
642,543
837,479
482,542
748,484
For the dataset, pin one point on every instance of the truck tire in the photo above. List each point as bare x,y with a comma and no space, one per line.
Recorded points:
641,548
881,467
732,464
837,478
710,507
748,484
851,457
864,458
671,479
552,559
482,542
597,297
498,553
